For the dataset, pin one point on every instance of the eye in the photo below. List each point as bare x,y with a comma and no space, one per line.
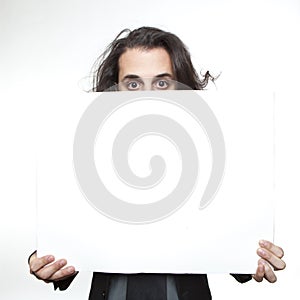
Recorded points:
161,84
133,85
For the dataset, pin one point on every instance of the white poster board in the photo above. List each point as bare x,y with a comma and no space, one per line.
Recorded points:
229,157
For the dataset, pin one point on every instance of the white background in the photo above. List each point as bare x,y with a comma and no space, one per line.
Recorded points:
50,45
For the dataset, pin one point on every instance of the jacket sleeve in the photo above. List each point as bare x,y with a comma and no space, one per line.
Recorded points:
64,283
242,278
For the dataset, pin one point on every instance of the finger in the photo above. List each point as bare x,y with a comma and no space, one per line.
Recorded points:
272,248
47,272
62,273
38,263
269,274
275,261
260,272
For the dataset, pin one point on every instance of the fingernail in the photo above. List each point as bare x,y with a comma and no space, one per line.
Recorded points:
261,252
62,262
263,243
50,258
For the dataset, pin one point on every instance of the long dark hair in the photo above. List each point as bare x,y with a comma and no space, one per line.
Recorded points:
107,67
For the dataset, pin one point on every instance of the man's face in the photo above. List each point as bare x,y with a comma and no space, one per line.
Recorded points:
141,69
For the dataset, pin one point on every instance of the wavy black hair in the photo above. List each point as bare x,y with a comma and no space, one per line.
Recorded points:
107,65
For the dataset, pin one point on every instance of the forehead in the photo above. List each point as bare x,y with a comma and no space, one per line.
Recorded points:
144,62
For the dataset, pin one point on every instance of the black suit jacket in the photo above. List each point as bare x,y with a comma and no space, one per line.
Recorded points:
189,286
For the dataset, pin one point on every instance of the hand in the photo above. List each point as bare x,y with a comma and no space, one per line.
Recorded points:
47,269
271,260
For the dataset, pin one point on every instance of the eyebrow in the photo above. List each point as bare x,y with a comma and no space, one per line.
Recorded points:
164,75
133,76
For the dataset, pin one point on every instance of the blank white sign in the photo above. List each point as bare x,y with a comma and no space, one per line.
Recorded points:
221,236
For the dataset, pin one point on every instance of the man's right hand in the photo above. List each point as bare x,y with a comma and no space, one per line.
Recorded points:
48,269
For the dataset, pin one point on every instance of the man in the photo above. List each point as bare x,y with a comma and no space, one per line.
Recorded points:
149,59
